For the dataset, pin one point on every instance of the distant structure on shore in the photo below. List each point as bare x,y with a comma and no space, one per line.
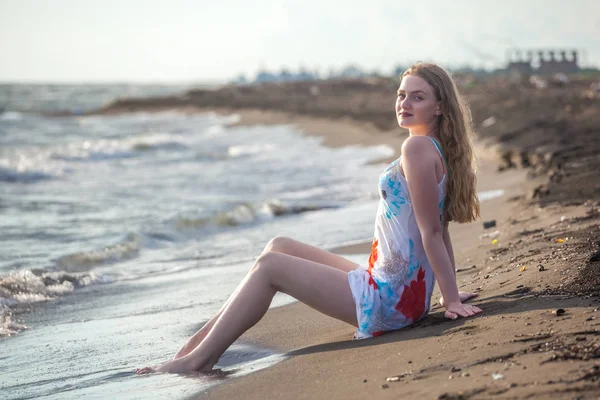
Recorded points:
285,75
519,62
542,61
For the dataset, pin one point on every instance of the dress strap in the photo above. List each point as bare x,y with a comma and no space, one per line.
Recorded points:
439,149
447,172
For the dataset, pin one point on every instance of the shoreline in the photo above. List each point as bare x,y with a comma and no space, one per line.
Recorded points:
539,145
321,357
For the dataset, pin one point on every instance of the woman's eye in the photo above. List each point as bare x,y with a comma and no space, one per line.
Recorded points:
401,95
418,98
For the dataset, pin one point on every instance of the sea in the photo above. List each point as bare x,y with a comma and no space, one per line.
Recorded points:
121,234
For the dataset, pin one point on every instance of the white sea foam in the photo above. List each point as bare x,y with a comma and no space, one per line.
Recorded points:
26,287
244,214
214,130
244,150
230,119
7,326
29,165
11,116
99,150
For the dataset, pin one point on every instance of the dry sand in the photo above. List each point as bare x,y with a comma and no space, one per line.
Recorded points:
518,348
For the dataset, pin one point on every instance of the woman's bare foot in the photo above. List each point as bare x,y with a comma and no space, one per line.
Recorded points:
462,296
183,365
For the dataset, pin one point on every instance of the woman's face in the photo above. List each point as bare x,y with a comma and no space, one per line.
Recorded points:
416,105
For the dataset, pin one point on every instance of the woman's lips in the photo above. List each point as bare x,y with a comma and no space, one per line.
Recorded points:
405,114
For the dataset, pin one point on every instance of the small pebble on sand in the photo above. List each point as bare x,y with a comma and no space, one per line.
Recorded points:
496,376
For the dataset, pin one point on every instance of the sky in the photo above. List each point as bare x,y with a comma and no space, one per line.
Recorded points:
204,41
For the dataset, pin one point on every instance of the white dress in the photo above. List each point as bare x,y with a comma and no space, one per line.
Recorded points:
395,289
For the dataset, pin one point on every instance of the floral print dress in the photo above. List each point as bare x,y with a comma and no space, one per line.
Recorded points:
395,289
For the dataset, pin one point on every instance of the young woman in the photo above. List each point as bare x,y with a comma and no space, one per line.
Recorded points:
432,183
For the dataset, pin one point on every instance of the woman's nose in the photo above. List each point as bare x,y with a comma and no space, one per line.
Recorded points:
405,103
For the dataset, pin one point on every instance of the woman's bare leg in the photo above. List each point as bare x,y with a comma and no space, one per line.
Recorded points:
322,287
302,250
197,337
280,245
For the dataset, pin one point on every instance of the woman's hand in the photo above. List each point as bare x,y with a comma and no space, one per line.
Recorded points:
456,309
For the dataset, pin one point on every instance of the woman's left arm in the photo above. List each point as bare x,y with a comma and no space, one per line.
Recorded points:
417,162
448,244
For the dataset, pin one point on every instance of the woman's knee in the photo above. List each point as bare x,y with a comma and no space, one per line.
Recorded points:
266,262
278,244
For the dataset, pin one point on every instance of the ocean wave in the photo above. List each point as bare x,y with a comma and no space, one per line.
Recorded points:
86,155
35,164
244,214
30,166
26,287
101,150
18,175
86,260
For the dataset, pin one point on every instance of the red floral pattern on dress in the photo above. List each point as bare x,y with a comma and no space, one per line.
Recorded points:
378,333
412,302
373,257
372,260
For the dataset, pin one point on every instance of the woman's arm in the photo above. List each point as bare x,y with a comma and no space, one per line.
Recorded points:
463,296
418,159
448,244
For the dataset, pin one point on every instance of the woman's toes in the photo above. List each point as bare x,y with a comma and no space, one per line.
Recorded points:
143,371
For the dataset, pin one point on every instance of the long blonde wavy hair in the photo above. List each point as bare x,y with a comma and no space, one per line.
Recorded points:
455,128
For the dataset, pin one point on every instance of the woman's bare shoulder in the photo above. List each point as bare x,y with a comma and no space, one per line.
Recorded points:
416,147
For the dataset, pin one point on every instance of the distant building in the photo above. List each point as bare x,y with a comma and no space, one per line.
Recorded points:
352,71
285,76
542,61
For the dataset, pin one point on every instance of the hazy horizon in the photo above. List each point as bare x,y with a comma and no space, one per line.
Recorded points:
184,41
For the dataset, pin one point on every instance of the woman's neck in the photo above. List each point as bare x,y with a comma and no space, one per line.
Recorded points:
430,131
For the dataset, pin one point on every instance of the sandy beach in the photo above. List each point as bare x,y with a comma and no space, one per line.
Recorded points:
535,272
154,155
